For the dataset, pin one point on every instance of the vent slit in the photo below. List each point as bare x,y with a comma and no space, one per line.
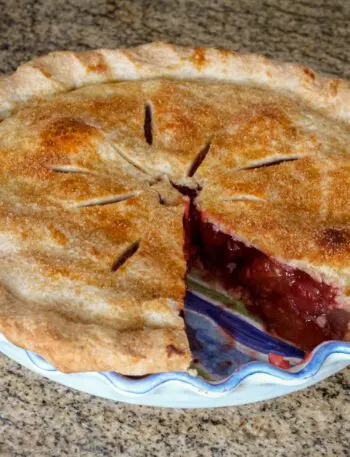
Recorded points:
243,198
162,200
191,192
147,126
198,160
107,201
271,163
126,157
73,170
129,252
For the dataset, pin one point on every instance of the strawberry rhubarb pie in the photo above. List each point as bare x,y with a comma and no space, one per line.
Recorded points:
121,168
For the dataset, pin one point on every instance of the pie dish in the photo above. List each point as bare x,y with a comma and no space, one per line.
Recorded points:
121,167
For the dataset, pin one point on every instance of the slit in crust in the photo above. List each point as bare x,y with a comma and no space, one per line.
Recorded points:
107,200
243,198
126,255
199,159
124,155
147,126
270,163
71,169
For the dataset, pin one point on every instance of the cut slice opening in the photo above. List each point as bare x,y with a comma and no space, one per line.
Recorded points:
290,302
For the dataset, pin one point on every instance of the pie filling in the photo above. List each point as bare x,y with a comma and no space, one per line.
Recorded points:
290,302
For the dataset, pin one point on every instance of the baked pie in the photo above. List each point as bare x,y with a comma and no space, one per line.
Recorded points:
121,167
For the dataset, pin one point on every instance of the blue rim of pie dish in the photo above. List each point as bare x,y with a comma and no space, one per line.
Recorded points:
152,382
299,373
149,383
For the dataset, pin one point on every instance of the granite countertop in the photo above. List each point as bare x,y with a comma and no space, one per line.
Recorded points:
41,418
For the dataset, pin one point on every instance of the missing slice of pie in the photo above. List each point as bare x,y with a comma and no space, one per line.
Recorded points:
119,168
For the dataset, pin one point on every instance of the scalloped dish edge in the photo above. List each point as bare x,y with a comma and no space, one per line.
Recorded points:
146,385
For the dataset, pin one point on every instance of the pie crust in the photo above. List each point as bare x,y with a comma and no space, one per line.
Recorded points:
93,145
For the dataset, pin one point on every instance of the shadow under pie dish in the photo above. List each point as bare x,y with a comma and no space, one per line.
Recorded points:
120,168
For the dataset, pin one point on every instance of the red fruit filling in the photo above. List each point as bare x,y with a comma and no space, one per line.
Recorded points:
292,304
278,361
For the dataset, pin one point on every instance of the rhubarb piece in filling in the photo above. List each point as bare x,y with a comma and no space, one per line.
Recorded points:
291,303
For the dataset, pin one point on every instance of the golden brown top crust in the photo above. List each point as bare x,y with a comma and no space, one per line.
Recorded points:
64,71
89,242
91,237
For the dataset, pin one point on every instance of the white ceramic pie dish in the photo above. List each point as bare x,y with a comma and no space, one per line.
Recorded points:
233,368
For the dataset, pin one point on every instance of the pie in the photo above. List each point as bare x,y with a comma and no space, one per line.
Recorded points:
119,168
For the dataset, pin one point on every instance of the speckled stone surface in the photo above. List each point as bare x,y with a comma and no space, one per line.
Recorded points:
40,418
